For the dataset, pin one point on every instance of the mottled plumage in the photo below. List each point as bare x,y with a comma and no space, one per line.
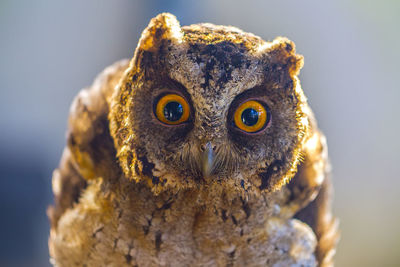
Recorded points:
132,190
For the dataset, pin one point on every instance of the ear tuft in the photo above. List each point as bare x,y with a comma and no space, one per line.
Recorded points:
163,26
283,51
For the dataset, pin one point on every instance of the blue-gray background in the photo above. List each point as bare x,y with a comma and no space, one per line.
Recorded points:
51,49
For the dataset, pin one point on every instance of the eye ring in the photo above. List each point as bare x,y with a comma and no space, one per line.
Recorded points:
251,116
172,109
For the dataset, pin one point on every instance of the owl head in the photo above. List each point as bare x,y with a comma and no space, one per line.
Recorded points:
206,104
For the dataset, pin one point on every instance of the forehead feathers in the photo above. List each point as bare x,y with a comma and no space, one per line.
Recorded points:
212,60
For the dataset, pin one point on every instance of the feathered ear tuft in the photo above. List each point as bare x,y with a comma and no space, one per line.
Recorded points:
281,51
284,50
164,26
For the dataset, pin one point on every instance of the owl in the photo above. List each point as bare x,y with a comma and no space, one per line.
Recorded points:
199,151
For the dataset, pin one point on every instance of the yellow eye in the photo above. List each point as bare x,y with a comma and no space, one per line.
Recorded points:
172,109
251,116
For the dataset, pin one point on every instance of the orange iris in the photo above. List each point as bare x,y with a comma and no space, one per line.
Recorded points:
251,116
172,109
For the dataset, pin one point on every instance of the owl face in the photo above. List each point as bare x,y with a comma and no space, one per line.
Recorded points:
208,104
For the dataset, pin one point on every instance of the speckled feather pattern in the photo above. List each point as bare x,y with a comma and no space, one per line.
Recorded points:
129,191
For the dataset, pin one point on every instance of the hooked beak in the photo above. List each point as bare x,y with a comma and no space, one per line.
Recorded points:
207,159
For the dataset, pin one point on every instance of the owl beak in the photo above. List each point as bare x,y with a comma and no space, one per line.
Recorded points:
207,159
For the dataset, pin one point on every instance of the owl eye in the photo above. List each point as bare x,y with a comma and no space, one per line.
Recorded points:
172,109
251,116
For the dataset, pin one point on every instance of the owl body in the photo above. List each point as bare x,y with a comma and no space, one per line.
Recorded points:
200,151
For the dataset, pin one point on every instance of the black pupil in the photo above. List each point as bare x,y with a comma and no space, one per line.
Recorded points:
249,116
173,111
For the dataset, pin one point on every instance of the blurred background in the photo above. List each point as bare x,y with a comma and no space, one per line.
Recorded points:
51,49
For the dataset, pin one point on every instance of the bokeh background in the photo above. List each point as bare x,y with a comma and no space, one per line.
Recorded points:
51,49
